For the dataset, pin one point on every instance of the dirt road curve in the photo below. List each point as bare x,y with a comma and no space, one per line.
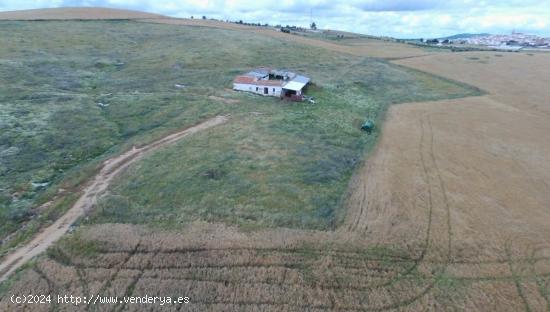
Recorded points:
87,200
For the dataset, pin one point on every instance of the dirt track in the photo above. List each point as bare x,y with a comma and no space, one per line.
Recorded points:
90,193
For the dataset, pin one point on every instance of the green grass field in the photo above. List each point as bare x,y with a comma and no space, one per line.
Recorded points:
73,93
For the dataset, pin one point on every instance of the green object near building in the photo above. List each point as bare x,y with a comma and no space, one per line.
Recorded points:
368,126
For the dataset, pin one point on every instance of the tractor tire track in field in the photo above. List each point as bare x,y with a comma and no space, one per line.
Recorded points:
429,149
434,185
426,176
541,287
517,282
113,276
426,242
443,191
90,193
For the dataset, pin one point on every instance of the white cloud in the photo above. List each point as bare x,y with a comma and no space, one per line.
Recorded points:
28,4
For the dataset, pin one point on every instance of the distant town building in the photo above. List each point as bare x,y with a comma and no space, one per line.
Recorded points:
514,41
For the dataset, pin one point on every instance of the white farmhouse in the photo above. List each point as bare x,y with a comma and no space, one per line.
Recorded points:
272,82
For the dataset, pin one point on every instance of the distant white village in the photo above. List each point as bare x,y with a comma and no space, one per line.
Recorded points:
513,41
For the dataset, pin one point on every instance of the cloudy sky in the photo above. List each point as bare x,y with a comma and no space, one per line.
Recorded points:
397,18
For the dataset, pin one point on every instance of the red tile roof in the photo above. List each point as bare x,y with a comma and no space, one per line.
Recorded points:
244,79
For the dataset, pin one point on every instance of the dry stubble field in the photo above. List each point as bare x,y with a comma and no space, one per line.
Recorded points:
480,167
449,213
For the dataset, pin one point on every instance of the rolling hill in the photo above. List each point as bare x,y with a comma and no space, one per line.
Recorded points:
76,13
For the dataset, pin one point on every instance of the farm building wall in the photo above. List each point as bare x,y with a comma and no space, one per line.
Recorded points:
244,87
258,89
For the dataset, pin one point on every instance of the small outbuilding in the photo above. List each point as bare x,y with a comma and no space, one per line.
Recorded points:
272,82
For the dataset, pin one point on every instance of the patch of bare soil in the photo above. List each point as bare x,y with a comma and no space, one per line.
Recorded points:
88,199
76,13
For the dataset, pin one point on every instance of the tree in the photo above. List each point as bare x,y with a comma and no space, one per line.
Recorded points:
192,17
313,26
203,17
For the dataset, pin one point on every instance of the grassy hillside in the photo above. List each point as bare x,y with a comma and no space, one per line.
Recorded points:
72,93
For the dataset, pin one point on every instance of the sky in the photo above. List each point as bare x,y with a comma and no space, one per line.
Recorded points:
395,18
